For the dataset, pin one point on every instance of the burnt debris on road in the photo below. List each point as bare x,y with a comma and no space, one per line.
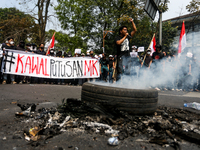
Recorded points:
167,127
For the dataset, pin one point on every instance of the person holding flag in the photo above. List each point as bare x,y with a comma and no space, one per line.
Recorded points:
147,59
151,49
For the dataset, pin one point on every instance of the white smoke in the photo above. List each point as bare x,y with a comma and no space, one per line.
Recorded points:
167,73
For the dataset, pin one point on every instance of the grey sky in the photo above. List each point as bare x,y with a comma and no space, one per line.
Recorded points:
176,8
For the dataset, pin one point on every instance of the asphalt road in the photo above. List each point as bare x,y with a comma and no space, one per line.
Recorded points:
42,94
50,95
32,93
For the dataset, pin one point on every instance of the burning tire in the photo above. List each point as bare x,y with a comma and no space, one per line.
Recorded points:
133,101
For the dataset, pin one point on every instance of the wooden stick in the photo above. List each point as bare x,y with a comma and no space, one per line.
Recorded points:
115,70
143,60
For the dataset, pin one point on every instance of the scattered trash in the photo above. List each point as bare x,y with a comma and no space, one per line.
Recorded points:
34,131
56,116
113,141
24,113
26,137
13,102
166,127
27,106
66,119
4,138
194,105
35,138
159,140
142,140
17,136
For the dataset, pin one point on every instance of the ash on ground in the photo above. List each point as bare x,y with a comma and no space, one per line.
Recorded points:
167,127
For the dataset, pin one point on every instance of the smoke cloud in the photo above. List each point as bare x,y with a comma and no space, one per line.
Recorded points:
171,72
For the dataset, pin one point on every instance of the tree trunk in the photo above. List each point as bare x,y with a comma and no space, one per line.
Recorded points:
43,6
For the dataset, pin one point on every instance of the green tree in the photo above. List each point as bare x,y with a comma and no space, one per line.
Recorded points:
66,43
194,6
17,24
169,33
88,19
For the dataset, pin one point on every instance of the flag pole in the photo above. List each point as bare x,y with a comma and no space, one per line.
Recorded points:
50,44
148,48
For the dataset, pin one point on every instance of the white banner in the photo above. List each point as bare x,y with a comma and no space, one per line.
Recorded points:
30,64
140,49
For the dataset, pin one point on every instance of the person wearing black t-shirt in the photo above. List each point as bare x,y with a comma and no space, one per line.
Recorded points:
104,67
122,45
156,65
158,55
41,51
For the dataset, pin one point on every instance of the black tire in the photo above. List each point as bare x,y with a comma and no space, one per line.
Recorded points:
133,101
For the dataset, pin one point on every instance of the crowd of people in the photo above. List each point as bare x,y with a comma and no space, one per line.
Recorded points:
17,79
164,71
147,70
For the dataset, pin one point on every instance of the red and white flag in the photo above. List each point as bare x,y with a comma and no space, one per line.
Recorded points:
182,40
51,45
153,45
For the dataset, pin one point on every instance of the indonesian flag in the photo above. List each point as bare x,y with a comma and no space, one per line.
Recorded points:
153,45
182,40
51,45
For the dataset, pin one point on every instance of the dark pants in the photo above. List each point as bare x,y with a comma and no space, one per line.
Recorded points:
110,75
104,71
123,60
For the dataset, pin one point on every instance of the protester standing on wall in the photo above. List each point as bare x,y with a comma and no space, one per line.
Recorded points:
122,45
